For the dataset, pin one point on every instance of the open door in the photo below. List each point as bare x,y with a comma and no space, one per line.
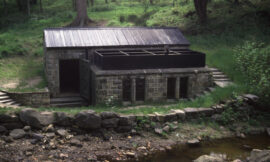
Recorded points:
85,80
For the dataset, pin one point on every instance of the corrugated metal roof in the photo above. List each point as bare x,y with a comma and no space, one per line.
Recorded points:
100,37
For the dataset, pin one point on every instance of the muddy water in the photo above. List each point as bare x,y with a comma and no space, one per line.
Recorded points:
233,148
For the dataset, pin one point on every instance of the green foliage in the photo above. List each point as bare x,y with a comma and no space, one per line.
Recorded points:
229,116
253,59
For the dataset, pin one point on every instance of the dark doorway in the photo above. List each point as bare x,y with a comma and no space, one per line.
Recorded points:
184,87
127,89
69,76
140,89
171,83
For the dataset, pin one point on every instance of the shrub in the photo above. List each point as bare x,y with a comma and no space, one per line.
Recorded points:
121,18
253,60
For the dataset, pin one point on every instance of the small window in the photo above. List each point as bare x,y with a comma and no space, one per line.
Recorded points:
183,87
140,89
127,89
171,84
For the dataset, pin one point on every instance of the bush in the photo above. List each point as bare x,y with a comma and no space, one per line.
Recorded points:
253,60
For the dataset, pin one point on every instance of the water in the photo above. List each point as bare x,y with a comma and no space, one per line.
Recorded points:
233,148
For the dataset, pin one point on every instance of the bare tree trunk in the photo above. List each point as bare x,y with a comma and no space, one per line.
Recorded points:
40,6
92,2
28,7
201,9
82,18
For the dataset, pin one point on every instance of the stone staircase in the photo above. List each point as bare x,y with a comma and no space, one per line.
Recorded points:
68,101
6,101
219,78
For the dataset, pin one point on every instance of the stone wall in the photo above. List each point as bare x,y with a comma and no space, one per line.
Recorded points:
109,83
34,99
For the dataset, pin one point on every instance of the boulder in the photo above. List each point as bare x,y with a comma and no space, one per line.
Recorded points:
17,133
27,128
251,97
63,119
5,118
127,120
88,120
37,136
179,113
62,132
110,123
193,142
257,155
170,117
108,115
13,125
208,158
36,119
123,129
3,130
158,131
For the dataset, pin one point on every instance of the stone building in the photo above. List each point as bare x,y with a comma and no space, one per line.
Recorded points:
125,64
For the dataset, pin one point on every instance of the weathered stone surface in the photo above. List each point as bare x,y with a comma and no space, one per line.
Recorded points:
37,136
61,132
251,97
36,119
170,117
13,125
88,120
158,131
110,123
259,155
180,114
193,142
63,119
17,133
75,142
166,128
208,158
27,128
123,129
5,118
50,135
108,115
127,120
3,130
191,112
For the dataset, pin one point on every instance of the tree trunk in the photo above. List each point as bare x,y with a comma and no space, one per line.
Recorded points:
82,18
151,2
201,9
28,7
40,6
92,2
106,1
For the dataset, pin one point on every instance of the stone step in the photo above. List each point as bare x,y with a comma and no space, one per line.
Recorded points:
10,103
220,76
72,104
211,89
221,79
5,101
66,100
223,83
217,73
214,70
4,97
2,94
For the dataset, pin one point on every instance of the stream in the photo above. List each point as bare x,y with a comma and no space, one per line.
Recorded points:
232,148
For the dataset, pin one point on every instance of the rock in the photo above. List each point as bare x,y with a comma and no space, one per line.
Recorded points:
268,131
63,119
252,98
3,130
216,117
5,118
193,142
37,136
142,148
88,120
257,155
17,133
208,158
49,128
110,123
123,129
63,156
158,131
127,120
179,113
62,132
170,117
108,115
8,139
13,125
256,130
28,153
50,135
36,119
130,154
160,117
75,142
237,160
27,128
166,128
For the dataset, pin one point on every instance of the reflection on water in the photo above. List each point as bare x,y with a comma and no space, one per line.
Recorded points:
233,148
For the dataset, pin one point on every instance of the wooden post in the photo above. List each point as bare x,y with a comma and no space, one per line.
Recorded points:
177,88
133,90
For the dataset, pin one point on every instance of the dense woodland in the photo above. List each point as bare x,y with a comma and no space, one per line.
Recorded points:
235,34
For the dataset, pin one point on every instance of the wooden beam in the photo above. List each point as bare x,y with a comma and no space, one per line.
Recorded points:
124,53
149,52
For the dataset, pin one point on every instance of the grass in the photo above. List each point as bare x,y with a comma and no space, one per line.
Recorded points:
21,39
